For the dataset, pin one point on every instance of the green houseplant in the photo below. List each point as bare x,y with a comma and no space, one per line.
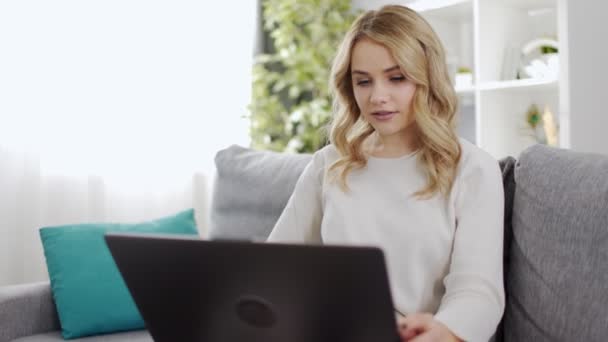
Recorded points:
291,103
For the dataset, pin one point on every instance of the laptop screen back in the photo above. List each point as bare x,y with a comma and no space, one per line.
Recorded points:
188,289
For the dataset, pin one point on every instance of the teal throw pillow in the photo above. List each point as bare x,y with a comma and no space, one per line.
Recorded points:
89,292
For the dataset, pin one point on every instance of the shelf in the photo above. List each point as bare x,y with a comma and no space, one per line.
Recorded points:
465,90
531,5
448,8
450,5
505,27
452,21
528,83
487,36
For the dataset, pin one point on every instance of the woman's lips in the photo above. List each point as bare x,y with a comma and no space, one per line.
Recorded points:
383,115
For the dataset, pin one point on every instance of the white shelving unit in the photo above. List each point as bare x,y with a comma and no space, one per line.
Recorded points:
487,36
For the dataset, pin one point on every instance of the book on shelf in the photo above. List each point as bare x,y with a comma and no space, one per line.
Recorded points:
511,62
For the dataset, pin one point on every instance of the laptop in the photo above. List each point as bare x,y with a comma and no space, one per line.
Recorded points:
189,289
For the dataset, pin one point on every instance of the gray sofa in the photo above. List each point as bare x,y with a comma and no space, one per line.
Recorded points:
556,243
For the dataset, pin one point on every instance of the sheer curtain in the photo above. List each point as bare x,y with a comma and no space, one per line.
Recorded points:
112,110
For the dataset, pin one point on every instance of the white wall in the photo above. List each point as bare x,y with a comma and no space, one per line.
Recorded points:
98,83
585,72
110,110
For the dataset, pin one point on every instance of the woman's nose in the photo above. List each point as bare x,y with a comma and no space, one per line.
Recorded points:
379,94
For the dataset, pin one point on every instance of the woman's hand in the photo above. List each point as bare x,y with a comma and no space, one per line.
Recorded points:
422,327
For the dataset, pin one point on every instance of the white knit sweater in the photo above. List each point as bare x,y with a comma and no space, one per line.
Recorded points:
443,256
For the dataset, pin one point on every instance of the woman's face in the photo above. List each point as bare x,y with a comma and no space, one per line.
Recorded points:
382,92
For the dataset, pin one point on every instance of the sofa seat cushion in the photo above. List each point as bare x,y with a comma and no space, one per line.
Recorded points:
558,276
131,336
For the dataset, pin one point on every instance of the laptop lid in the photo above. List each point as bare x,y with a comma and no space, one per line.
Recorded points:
189,289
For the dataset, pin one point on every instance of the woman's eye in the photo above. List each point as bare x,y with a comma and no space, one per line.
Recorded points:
398,78
362,82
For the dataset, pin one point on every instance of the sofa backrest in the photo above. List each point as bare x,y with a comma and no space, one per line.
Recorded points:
556,232
557,284
251,190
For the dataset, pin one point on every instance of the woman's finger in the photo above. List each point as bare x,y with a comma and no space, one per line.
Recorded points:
414,324
423,337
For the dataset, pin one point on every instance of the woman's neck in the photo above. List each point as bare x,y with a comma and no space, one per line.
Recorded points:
393,146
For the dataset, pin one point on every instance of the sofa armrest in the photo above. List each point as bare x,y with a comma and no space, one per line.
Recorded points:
26,310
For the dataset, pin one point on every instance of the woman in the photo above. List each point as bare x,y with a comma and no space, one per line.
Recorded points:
397,176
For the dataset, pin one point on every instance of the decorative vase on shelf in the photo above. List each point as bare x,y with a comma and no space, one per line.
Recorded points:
543,127
550,128
541,59
464,78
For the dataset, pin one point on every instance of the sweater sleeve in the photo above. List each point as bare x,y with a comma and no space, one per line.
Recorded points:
474,300
300,221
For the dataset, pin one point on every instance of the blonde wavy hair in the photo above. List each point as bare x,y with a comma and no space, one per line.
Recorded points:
421,57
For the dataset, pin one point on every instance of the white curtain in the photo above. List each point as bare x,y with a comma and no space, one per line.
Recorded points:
112,111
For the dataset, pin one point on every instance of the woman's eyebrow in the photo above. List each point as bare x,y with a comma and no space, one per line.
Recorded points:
359,72
395,67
